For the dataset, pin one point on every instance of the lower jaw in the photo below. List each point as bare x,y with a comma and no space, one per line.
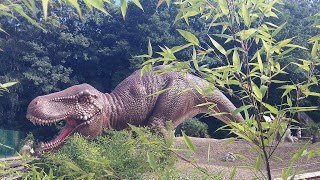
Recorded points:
57,141
70,127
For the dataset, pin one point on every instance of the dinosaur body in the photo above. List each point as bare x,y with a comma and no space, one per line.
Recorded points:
136,101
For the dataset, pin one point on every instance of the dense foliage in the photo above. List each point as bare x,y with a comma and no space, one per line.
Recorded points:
193,127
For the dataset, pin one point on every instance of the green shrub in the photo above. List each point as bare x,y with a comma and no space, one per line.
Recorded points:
119,155
193,127
136,154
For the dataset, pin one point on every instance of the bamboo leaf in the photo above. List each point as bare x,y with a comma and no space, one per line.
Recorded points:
190,14
314,50
260,62
179,48
2,30
160,2
271,108
274,33
236,60
20,10
256,91
75,4
311,154
245,14
194,59
124,7
168,2
205,104
45,4
8,84
161,91
188,142
284,42
263,90
245,34
138,4
240,109
218,46
98,4
149,48
32,4
189,36
223,6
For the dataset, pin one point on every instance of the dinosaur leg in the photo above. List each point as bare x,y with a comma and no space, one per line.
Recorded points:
173,106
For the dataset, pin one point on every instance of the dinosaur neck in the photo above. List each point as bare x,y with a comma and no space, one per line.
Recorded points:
106,111
115,110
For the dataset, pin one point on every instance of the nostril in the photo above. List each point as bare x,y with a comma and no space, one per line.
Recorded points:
36,102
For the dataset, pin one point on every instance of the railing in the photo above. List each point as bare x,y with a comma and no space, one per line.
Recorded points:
13,164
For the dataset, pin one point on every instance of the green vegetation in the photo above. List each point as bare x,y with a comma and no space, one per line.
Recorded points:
4,87
116,156
192,127
313,129
134,154
252,53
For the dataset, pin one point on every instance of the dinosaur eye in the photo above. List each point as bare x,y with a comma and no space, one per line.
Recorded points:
82,99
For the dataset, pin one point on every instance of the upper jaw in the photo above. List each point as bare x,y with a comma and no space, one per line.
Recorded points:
39,121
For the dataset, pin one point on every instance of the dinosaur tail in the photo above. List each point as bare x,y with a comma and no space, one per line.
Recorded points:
224,108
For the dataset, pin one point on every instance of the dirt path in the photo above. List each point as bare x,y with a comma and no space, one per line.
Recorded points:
211,157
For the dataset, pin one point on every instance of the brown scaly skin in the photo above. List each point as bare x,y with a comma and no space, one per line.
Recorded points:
134,101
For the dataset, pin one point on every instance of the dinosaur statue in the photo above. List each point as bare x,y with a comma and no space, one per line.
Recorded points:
136,100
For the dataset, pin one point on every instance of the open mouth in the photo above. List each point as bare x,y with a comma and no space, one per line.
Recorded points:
71,125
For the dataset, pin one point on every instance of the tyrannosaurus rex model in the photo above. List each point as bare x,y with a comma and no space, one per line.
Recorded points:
134,101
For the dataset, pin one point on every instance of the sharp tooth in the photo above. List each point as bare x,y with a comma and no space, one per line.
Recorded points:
85,118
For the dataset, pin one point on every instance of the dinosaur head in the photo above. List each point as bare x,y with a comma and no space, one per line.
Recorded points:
82,107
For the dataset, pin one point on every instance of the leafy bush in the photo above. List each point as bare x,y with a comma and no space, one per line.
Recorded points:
193,127
119,155
313,129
